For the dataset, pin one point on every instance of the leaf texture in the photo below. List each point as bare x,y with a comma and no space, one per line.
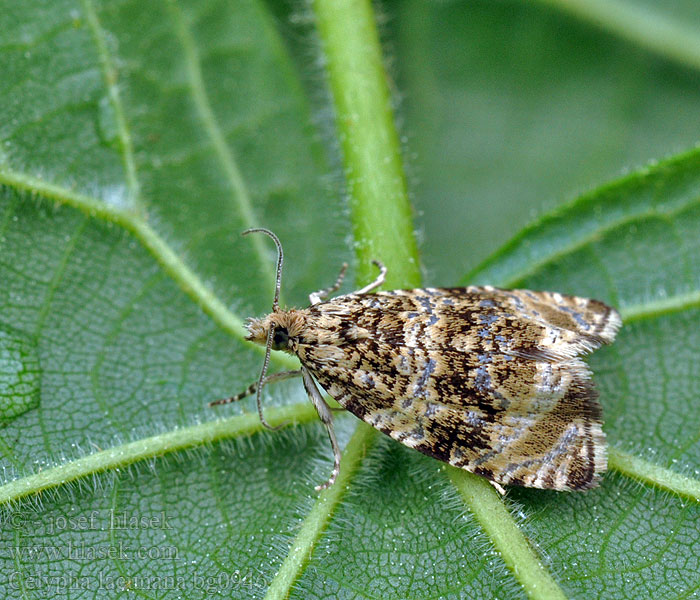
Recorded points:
137,141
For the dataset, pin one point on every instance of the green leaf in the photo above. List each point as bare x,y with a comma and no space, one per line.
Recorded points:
19,374
139,139
512,108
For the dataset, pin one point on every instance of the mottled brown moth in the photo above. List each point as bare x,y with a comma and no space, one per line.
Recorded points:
485,379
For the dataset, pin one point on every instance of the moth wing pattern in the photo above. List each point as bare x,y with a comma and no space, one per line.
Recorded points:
485,379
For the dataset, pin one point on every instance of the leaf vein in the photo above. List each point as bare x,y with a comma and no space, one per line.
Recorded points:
654,475
320,514
124,455
586,240
227,159
648,28
173,265
111,77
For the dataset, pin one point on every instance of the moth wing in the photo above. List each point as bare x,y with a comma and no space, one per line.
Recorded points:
576,325
493,387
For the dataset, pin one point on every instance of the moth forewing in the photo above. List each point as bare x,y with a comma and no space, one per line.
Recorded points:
488,380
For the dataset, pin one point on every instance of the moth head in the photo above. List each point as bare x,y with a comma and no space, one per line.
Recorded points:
271,331
280,338
283,327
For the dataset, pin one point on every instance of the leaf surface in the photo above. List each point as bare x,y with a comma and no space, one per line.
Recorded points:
138,140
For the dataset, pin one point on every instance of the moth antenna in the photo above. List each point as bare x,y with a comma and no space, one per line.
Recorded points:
261,382
271,332
280,261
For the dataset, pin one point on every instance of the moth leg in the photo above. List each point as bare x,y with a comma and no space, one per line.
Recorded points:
317,297
326,416
253,387
377,282
498,487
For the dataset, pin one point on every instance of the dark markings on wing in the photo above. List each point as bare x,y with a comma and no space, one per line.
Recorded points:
485,379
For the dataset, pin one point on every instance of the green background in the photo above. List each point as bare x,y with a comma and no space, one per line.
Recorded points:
138,139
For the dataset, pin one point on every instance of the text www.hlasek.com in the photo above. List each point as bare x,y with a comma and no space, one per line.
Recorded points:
82,551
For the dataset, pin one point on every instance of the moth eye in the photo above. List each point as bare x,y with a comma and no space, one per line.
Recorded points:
280,338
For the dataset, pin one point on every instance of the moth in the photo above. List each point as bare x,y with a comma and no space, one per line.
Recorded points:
485,379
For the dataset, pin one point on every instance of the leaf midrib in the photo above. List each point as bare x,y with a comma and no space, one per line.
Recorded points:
123,455
229,322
